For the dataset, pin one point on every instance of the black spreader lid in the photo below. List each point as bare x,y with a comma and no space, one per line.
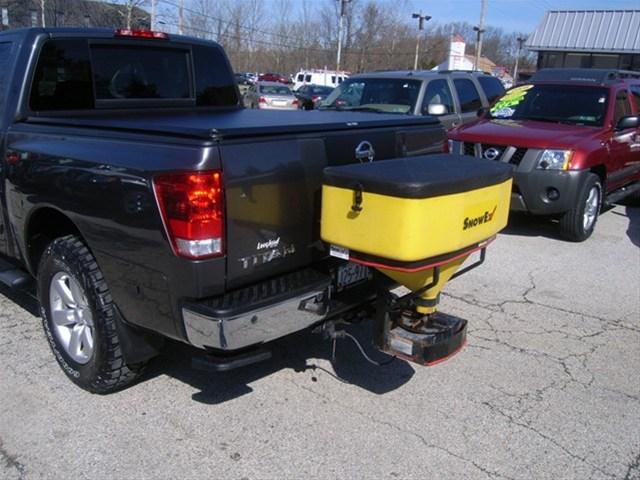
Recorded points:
419,177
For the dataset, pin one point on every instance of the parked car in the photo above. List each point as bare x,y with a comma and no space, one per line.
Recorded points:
311,95
327,78
147,203
243,79
273,77
270,96
573,137
453,96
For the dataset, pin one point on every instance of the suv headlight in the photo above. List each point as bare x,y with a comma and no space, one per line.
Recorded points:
554,160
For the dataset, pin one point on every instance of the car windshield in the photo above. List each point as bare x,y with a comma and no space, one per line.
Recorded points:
389,95
275,90
574,104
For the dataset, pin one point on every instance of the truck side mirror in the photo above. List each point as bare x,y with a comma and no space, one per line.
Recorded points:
630,121
437,109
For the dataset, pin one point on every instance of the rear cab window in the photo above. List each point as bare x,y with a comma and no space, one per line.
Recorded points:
81,74
467,95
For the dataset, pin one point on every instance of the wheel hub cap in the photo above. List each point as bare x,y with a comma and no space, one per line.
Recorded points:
591,208
71,317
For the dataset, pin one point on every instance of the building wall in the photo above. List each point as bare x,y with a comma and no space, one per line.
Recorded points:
68,13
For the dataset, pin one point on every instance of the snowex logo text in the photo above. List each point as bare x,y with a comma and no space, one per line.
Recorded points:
486,217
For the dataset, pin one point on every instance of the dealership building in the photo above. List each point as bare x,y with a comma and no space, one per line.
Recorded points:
588,39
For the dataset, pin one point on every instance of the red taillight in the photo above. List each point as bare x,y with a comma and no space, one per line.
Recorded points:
262,100
192,210
295,102
315,98
124,32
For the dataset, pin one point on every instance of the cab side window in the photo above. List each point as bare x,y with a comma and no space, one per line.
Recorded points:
635,93
437,92
622,107
493,88
468,95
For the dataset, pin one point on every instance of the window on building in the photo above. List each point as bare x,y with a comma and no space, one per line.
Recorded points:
467,94
635,63
5,16
34,17
550,60
604,61
577,60
87,21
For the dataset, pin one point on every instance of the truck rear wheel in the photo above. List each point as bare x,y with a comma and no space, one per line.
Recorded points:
79,319
578,223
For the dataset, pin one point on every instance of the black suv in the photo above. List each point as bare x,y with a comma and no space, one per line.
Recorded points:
453,96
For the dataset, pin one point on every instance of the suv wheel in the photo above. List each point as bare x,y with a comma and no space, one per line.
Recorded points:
78,318
578,223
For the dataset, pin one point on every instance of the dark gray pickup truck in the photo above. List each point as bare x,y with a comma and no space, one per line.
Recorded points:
147,203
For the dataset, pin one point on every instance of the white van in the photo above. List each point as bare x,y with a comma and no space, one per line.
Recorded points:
327,78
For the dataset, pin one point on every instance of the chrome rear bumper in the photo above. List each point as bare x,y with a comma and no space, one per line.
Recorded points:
231,327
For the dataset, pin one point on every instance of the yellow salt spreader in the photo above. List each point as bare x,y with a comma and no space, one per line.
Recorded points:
415,221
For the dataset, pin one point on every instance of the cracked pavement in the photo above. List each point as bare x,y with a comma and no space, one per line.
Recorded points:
547,387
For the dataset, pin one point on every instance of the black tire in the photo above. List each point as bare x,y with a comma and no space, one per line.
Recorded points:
572,223
104,371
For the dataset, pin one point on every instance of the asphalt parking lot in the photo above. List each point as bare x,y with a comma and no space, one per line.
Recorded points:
548,387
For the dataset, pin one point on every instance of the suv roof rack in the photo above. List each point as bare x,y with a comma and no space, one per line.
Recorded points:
587,75
482,72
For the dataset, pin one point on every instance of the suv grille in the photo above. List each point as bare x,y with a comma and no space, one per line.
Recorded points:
469,149
517,156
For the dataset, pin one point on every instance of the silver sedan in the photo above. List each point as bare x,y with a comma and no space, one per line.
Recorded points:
270,96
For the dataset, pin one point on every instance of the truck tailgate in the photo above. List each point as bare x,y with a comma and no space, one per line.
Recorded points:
273,187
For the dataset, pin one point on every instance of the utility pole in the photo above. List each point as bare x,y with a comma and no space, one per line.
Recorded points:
181,18
44,22
343,9
520,41
479,31
421,19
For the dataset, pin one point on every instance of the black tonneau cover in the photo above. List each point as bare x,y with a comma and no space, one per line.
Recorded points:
223,124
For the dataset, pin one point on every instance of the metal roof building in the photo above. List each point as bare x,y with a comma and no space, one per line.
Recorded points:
588,39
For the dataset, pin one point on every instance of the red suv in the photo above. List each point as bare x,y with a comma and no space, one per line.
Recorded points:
573,137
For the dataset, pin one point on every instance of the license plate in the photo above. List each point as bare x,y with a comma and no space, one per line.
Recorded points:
350,274
279,103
